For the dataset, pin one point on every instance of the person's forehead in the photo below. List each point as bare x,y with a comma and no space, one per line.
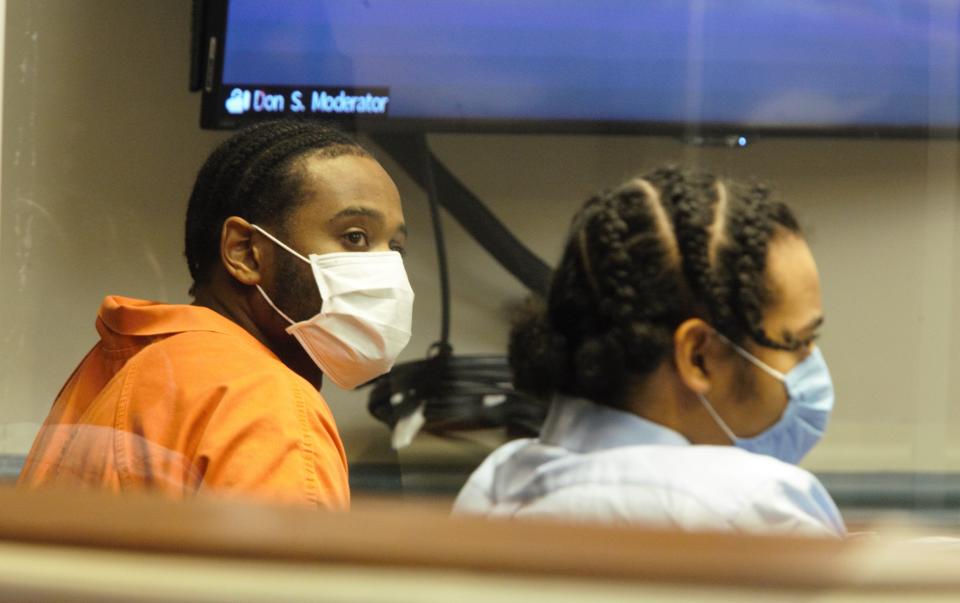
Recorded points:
794,282
332,184
347,175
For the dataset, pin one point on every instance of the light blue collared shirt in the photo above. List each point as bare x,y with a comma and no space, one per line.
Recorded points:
595,463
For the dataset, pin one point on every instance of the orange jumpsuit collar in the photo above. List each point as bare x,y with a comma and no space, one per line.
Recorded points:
131,317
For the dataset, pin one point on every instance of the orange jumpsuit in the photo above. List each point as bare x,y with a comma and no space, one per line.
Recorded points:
179,400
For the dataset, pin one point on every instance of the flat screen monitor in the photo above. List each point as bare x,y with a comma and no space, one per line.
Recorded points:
871,67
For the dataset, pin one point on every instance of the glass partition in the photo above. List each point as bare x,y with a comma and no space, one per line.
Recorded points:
101,145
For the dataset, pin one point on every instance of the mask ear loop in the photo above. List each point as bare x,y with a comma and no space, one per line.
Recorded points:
273,305
259,288
760,364
279,242
716,417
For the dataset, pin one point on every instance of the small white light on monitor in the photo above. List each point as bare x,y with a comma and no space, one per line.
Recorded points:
742,141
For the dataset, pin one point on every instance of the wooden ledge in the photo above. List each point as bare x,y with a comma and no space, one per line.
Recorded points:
385,533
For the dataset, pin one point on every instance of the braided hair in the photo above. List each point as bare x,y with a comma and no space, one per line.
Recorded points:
639,260
254,175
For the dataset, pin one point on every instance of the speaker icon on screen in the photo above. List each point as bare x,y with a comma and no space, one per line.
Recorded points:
238,102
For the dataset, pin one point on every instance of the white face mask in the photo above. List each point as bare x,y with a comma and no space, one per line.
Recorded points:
366,316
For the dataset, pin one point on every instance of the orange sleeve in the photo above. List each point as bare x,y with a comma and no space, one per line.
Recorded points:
272,438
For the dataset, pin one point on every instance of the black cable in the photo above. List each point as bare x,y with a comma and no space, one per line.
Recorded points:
430,187
468,210
455,393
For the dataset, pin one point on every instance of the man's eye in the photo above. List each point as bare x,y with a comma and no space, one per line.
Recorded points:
356,238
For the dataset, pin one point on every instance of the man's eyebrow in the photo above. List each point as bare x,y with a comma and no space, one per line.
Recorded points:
811,326
357,211
365,212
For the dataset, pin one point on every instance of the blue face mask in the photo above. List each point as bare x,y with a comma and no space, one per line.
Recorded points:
804,420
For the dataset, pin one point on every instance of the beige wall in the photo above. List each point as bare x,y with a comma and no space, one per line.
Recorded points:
101,143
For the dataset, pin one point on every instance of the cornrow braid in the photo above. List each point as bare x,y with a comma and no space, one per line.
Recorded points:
639,260
252,175
690,200
752,222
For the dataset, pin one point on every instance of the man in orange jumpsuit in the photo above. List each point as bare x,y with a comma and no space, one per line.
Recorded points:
222,396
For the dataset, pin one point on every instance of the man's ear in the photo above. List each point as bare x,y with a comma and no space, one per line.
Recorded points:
241,258
691,341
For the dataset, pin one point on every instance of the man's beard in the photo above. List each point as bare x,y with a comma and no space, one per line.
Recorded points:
296,291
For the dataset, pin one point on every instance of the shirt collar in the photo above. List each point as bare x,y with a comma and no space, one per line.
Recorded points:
124,317
583,426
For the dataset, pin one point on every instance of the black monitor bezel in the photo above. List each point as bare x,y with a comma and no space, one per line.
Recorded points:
212,117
